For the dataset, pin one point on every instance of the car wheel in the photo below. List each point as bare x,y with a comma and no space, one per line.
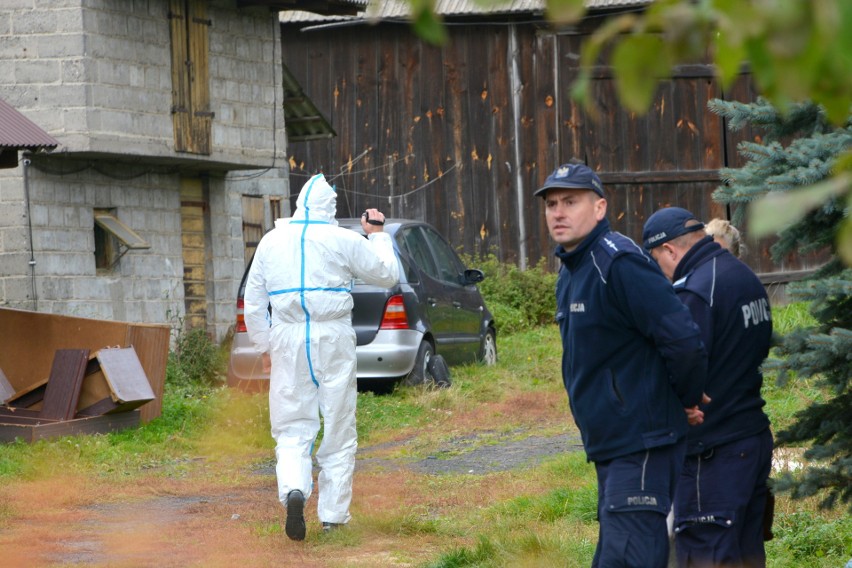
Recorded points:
420,373
488,349
439,372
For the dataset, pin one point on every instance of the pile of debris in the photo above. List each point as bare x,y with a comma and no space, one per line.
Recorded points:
65,375
85,393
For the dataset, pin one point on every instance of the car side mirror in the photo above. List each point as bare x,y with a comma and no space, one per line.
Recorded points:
472,276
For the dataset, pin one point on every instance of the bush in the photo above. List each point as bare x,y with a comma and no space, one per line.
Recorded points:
195,359
518,299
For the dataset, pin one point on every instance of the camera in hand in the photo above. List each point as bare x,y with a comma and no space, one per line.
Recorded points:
372,221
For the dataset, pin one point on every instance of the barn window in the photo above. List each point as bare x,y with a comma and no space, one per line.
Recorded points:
113,239
191,115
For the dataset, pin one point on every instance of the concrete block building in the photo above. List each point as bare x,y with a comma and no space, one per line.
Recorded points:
171,159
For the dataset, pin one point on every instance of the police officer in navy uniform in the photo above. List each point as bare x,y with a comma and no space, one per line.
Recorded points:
722,492
633,365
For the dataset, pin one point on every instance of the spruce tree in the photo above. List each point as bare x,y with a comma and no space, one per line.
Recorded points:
799,149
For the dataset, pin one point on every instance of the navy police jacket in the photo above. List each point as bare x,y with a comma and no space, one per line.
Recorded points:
632,356
730,306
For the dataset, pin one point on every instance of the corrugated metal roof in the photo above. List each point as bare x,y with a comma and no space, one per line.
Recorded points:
17,132
400,9
302,120
328,7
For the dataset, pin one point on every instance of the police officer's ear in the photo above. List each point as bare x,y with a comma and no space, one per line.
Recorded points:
600,207
667,249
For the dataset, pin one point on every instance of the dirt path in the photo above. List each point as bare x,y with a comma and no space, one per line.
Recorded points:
229,515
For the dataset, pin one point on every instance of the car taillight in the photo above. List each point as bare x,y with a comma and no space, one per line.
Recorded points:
241,319
394,316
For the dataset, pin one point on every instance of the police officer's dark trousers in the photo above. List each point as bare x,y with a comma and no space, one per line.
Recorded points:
634,496
720,502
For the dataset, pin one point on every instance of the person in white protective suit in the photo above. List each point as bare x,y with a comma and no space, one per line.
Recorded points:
304,270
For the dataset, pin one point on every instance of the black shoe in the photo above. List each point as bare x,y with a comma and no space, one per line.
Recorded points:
295,527
329,527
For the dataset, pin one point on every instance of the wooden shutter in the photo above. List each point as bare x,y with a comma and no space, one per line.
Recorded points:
191,114
199,79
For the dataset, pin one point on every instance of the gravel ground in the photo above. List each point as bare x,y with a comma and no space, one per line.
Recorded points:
476,454
465,456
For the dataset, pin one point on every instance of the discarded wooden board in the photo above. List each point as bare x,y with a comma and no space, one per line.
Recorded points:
127,386
30,397
63,385
108,381
28,341
125,375
31,429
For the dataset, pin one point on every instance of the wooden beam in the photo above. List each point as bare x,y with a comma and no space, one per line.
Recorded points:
64,383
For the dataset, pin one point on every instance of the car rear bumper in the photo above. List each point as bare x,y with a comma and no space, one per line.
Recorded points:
390,355
245,368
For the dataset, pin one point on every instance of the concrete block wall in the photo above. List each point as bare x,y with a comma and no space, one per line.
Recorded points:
144,285
14,241
96,74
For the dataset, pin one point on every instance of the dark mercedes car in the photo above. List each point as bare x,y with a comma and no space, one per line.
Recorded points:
436,309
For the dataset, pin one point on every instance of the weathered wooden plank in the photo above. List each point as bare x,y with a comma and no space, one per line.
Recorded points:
491,204
480,132
444,192
542,101
352,71
14,415
411,158
180,76
433,156
64,383
671,176
201,119
34,429
95,386
29,395
384,107
125,375
103,406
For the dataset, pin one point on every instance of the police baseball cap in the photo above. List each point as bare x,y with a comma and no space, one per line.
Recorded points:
667,224
572,176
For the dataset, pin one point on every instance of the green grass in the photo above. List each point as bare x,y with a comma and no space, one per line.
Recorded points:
558,527
791,316
807,539
166,443
550,521
785,398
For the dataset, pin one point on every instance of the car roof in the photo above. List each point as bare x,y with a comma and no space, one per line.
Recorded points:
391,224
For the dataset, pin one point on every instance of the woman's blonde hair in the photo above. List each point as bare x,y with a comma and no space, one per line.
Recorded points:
726,235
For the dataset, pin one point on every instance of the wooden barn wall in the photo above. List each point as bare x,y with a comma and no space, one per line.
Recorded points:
460,136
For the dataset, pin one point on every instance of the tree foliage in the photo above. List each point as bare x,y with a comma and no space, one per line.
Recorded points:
800,149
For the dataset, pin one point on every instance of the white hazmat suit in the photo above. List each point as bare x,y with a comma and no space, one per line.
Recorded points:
304,269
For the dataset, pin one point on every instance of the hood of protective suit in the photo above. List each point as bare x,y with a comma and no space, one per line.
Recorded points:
317,202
